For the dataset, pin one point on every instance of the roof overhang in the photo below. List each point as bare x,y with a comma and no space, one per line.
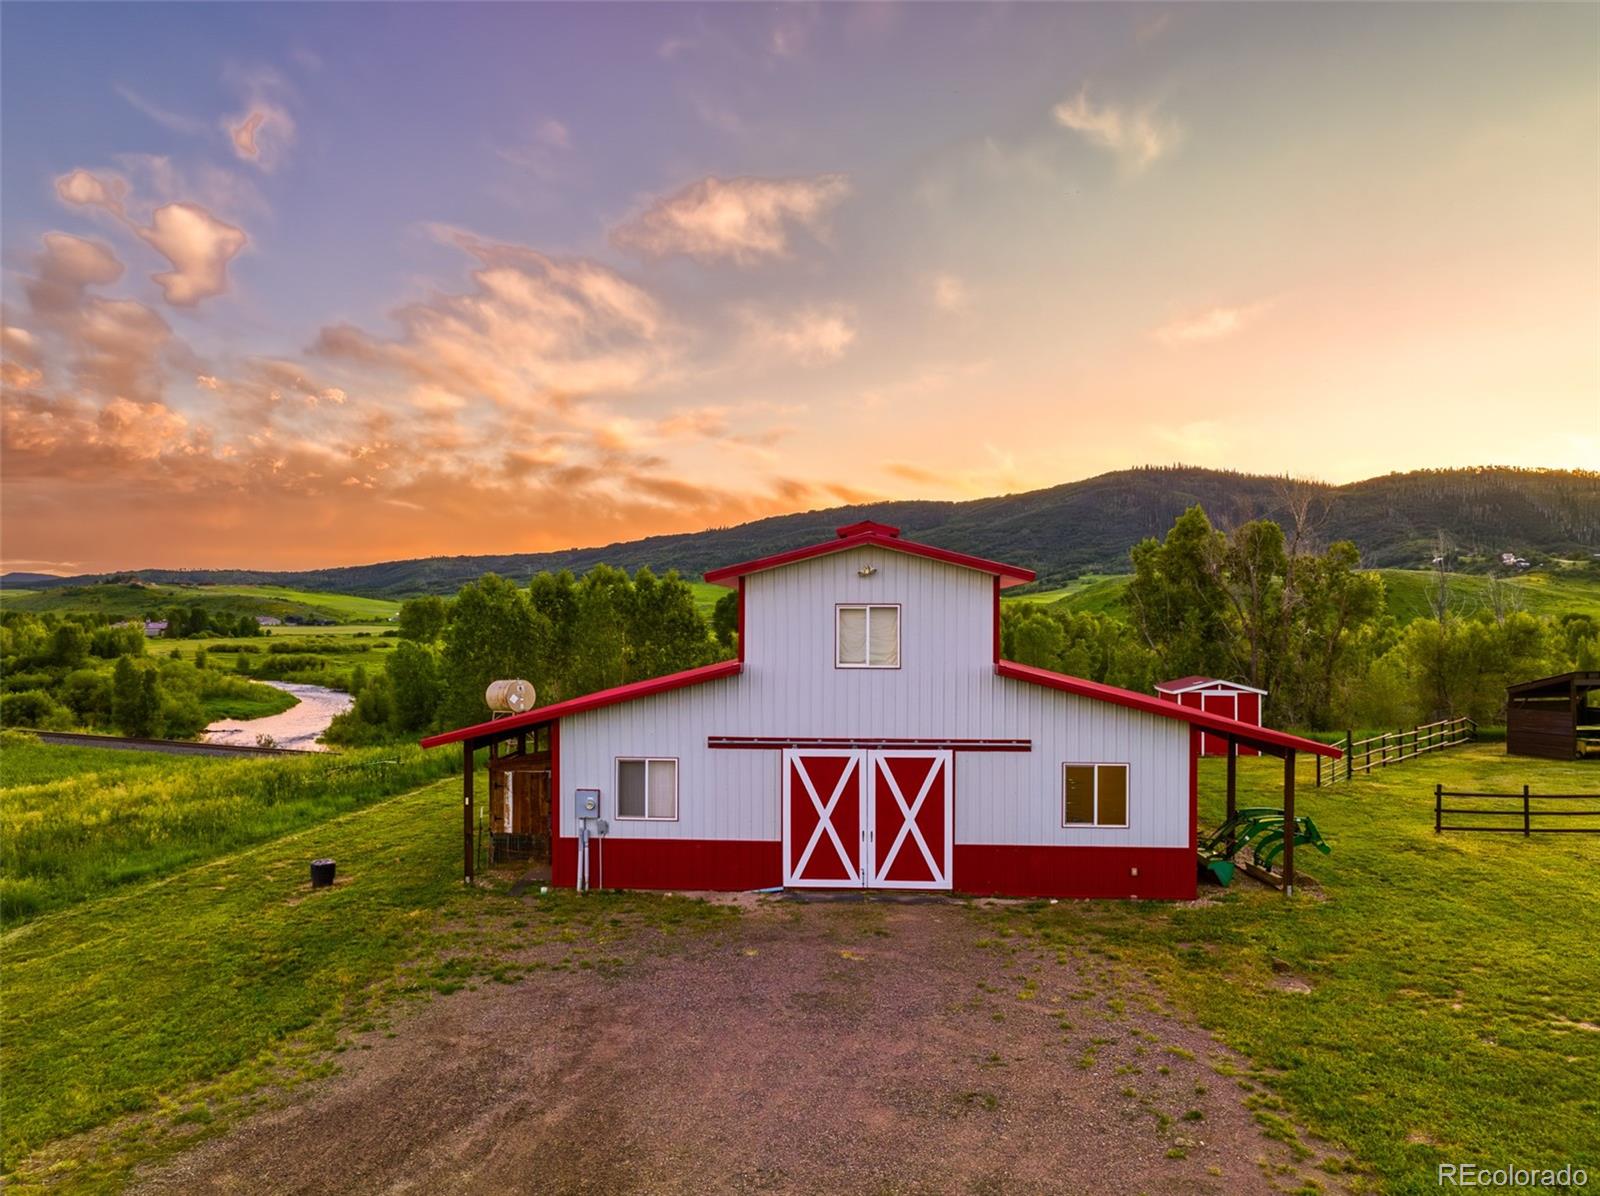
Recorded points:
870,535
1275,743
503,728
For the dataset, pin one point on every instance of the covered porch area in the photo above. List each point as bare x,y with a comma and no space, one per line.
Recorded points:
515,818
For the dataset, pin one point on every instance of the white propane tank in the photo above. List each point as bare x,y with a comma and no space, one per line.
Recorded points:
509,697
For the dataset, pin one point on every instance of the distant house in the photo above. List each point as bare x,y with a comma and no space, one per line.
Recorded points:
155,627
1508,559
268,621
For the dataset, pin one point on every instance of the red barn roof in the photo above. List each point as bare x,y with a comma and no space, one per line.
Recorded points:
868,534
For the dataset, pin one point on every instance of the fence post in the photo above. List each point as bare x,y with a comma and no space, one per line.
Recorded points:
1527,817
1438,807
1319,772
1349,763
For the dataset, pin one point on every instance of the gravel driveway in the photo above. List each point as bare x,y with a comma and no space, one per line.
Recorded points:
818,1046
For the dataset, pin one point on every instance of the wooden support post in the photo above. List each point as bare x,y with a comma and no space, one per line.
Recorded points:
1288,821
1233,787
1349,759
1527,814
522,743
1438,808
468,862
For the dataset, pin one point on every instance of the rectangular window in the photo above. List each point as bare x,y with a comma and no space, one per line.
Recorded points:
1094,795
647,788
868,637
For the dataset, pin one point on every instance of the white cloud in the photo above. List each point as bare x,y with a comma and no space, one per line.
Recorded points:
1210,325
743,220
261,134
1136,138
815,336
198,245
165,117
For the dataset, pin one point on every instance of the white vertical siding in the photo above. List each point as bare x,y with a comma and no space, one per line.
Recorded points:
945,688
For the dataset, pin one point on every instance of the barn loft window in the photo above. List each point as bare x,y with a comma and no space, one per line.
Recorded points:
647,788
868,637
1094,795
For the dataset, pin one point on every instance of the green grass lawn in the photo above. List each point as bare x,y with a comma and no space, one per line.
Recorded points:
125,817
1453,1011
183,1001
1077,589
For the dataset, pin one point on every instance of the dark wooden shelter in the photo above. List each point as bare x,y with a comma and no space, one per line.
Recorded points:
1551,718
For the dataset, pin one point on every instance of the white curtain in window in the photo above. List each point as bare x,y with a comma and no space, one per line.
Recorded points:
630,789
852,635
663,789
883,637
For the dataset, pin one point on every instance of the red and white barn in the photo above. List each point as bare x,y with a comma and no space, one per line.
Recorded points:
870,735
1231,699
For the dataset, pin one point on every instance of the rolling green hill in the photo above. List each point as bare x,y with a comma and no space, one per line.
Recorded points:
1066,531
1408,591
134,600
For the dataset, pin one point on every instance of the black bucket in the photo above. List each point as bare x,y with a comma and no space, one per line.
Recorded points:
321,873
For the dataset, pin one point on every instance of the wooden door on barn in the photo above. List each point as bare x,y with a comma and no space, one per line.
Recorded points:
909,820
519,812
822,824
854,818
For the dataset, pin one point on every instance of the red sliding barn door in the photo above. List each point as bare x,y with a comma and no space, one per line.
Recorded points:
909,818
822,824
877,818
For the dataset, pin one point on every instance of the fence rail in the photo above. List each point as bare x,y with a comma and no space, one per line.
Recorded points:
1392,747
1524,812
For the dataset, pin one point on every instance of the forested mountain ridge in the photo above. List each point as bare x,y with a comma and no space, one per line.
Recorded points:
1069,529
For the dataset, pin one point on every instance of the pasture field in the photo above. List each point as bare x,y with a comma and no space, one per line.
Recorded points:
1427,998
1424,998
118,817
1550,594
118,600
1074,589
314,655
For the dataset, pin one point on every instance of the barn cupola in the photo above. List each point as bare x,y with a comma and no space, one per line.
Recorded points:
867,528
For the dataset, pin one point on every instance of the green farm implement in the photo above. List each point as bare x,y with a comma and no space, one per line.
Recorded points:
1260,829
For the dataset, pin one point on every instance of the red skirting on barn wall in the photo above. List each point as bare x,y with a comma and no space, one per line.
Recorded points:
732,865
719,865
1165,873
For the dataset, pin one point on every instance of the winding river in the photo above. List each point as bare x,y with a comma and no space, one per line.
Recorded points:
297,727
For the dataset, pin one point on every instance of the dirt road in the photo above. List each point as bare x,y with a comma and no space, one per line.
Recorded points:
879,1047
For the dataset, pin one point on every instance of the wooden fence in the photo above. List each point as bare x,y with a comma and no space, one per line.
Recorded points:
1379,751
1523,814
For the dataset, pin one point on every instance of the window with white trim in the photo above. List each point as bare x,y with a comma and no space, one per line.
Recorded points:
868,637
1094,795
647,788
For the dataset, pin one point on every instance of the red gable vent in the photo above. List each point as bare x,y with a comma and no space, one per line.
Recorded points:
866,528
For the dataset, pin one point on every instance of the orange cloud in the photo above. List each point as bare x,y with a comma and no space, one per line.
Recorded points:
743,220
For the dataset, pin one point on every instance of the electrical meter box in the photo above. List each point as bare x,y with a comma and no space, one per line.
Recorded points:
587,803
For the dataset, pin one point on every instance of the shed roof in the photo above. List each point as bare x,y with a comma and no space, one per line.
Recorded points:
868,534
1561,683
1179,685
1265,738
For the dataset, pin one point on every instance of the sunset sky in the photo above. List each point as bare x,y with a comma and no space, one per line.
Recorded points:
292,285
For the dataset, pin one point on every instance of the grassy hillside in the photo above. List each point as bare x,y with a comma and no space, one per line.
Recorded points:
125,600
1067,530
1551,594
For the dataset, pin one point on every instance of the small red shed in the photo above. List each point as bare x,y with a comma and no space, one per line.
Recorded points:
1231,699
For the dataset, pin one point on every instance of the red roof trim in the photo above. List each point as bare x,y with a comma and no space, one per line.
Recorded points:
1260,737
494,728
1009,575
866,525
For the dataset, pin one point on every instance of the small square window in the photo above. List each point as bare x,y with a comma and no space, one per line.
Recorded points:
868,637
1094,795
647,789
